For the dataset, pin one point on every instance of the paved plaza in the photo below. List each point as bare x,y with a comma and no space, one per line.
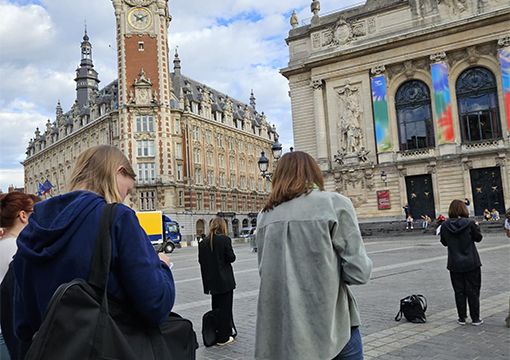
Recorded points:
403,266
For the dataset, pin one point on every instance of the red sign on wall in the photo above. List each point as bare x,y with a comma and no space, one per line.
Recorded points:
383,200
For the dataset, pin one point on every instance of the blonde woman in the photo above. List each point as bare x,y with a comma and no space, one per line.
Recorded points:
215,255
310,251
57,245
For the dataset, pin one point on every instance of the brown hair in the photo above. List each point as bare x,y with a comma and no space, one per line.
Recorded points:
96,169
296,174
11,204
457,208
217,226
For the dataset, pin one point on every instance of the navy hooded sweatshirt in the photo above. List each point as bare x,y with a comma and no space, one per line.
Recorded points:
57,245
460,235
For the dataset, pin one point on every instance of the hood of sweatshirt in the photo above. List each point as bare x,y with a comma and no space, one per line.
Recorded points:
457,225
54,222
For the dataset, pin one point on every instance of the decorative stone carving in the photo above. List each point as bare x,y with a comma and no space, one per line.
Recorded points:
455,7
472,55
431,169
354,183
142,90
315,7
467,164
144,136
316,40
358,29
363,155
339,34
500,161
409,69
371,25
504,42
316,84
378,70
350,111
340,157
138,3
402,171
294,21
438,57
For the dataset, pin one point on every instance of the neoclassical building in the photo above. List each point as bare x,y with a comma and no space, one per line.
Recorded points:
194,149
406,101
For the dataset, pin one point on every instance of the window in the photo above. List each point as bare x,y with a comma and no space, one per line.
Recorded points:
261,185
181,198
177,129
179,171
178,151
208,137
242,165
250,148
230,143
222,179
217,116
241,146
223,202
140,46
252,183
209,158
147,201
242,182
210,177
144,123
231,163
232,181
253,208
145,148
220,140
196,156
198,176
199,201
477,101
250,167
212,201
146,173
194,107
196,133
234,203
414,116
115,128
245,203
221,161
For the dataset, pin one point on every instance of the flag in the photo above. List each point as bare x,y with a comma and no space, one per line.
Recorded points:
46,187
40,192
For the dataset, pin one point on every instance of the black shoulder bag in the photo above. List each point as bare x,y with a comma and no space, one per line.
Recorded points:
413,308
84,322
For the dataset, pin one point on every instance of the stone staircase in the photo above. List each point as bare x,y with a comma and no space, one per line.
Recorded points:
398,228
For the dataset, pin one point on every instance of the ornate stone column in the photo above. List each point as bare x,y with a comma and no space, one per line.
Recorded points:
320,124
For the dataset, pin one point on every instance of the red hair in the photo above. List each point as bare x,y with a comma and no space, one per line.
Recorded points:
12,203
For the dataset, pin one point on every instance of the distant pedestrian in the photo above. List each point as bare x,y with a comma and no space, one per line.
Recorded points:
426,221
494,215
311,250
467,203
215,255
407,210
459,234
486,215
409,222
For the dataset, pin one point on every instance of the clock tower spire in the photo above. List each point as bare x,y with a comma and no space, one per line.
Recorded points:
86,77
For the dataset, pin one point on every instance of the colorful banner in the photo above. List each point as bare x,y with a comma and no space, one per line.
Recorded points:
504,58
382,122
443,106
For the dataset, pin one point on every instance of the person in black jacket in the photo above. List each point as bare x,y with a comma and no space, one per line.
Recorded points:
459,234
215,255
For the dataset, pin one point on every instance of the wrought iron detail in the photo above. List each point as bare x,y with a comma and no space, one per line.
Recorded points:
475,81
413,93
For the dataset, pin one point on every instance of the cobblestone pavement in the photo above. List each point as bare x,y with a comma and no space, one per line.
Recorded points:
402,266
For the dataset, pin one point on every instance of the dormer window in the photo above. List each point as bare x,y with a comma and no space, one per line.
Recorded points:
194,107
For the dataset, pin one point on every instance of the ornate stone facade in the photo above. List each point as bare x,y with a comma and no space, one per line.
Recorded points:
194,149
414,89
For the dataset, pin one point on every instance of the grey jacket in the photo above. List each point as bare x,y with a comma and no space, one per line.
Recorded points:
309,250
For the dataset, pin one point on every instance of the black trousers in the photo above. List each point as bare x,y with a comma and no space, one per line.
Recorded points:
466,286
223,302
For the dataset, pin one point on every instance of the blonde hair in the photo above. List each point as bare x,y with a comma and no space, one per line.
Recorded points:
217,226
96,169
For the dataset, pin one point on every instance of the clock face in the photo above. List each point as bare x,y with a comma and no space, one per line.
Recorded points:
139,18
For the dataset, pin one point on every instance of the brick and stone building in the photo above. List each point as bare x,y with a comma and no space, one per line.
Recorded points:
194,149
417,89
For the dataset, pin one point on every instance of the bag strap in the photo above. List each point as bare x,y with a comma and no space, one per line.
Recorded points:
423,302
399,316
100,266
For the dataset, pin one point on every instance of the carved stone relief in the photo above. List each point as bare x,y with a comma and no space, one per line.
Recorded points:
316,84
438,57
378,70
142,90
350,110
408,68
344,32
138,3
371,25
355,183
504,42
454,7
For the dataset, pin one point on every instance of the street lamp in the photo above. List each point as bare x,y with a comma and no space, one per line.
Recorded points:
383,178
263,162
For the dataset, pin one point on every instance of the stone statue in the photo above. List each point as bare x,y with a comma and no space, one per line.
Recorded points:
315,7
350,119
294,21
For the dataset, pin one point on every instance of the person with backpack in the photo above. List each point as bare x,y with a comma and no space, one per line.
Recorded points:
459,234
58,243
310,251
215,255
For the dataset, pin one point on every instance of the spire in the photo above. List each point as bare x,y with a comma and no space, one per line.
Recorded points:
86,51
252,100
86,77
177,63
59,109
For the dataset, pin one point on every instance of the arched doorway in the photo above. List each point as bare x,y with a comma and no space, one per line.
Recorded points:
200,227
245,223
235,227
254,222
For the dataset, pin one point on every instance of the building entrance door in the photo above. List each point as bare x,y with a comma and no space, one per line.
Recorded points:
487,190
420,196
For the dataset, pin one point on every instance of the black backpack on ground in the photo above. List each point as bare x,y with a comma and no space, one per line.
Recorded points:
84,322
413,308
209,326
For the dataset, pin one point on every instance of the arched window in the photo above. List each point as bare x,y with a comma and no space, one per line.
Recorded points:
414,116
477,100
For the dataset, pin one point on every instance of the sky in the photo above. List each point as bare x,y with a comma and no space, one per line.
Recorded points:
232,46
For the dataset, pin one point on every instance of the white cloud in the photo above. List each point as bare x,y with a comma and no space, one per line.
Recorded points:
230,45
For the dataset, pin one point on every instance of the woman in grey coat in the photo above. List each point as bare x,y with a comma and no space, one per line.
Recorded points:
309,250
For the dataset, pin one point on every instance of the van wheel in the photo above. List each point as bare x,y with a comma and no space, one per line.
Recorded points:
169,247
